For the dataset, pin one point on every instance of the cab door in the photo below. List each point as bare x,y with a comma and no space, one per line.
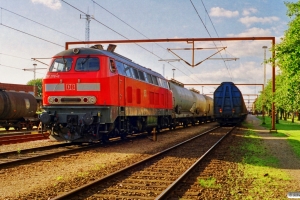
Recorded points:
121,82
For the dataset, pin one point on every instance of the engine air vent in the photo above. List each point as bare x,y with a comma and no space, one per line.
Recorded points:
97,46
111,47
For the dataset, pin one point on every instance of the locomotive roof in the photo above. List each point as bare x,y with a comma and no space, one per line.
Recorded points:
92,51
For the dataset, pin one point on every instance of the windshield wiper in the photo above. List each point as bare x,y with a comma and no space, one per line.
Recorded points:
65,63
84,61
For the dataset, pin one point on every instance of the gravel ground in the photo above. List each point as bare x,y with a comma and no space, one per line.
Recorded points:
26,145
48,176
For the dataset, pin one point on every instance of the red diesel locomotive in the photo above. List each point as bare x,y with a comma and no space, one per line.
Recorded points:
92,94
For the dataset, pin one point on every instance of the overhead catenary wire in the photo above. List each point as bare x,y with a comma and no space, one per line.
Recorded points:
15,68
117,33
215,32
14,56
30,35
38,23
134,29
139,33
228,70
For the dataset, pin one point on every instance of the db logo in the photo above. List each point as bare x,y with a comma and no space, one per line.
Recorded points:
70,86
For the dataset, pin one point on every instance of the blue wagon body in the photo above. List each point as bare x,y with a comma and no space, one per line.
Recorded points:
229,105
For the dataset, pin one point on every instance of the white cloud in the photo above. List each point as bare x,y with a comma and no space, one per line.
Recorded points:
221,12
250,20
253,32
53,4
249,11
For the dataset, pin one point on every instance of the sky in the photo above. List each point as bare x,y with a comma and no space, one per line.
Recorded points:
40,28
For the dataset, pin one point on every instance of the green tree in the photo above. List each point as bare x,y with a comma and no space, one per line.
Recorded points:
38,83
288,60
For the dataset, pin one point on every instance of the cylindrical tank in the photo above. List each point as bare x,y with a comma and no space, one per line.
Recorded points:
15,105
186,100
209,110
200,105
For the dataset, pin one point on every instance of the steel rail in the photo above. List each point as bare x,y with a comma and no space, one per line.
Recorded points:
171,187
67,195
38,150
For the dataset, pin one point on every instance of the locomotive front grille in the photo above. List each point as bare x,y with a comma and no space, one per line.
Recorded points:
70,100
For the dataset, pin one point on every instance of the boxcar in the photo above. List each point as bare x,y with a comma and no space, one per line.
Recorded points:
229,105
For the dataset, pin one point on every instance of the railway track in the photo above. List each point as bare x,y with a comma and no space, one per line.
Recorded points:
24,156
154,177
19,157
3,131
21,137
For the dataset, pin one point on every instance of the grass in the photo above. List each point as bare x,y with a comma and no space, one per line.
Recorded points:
59,178
288,129
209,183
260,169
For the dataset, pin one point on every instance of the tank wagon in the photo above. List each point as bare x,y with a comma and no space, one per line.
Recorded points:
92,94
18,110
189,106
229,105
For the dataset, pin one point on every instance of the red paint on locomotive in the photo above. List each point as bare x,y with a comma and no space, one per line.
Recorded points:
91,87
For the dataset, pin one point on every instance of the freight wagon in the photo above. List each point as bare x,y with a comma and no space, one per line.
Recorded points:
229,105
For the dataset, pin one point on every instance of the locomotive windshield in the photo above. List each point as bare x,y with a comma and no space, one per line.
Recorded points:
87,64
61,65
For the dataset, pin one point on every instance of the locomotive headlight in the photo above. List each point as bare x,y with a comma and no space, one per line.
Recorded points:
92,100
50,99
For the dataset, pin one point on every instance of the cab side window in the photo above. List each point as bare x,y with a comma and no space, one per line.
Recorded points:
154,78
135,73
127,70
112,66
120,67
149,78
141,75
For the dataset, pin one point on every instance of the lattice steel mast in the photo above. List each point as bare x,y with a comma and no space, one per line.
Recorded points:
88,18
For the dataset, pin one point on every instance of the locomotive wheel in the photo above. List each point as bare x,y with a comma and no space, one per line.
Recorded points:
149,131
158,130
105,139
18,127
29,127
172,127
123,136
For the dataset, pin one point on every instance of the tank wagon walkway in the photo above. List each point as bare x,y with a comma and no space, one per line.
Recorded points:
279,148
